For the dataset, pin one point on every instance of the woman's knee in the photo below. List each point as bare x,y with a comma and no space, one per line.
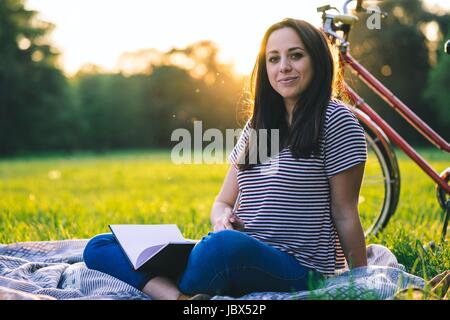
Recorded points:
95,246
215,253
221,247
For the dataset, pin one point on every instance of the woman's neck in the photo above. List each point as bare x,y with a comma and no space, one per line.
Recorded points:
289,118
289,105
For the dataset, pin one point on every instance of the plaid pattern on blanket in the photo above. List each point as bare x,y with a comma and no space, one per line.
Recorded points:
55,270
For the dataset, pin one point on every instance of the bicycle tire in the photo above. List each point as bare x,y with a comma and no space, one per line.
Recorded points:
381,155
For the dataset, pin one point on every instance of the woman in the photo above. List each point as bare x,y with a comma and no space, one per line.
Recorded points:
290,226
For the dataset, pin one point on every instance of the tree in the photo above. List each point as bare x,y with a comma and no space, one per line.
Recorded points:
437,91
178,87
400,55
33,91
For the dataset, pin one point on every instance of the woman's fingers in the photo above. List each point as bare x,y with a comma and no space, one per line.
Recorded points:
238,223
226,223
226,219
230,221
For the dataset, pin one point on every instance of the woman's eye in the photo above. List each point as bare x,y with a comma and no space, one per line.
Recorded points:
297,56
273,59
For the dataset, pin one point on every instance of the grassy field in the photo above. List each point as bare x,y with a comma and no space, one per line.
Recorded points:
64,197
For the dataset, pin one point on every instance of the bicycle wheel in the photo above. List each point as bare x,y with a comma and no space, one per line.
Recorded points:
380,188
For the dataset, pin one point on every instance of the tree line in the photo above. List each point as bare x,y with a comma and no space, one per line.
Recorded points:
157,92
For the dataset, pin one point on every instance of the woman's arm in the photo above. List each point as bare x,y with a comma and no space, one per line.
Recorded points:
345,188
222,216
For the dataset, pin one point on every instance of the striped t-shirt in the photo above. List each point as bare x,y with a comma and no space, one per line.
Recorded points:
290,209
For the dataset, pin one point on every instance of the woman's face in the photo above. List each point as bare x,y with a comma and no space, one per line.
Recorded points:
289,66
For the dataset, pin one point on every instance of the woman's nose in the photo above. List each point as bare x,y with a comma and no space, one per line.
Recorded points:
285,65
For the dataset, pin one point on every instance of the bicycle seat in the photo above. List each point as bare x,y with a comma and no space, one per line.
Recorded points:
345,18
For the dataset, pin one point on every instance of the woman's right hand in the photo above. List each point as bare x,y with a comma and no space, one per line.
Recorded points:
229,221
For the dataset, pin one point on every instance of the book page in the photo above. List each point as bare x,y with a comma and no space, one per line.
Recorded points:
135,238
146,254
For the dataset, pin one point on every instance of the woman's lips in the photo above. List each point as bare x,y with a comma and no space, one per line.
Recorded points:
288,80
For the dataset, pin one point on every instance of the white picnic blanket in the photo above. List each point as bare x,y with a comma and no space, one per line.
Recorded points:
55,270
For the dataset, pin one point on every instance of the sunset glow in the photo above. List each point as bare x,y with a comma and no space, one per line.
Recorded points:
99,31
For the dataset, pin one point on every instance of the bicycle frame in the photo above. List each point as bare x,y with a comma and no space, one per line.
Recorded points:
403,110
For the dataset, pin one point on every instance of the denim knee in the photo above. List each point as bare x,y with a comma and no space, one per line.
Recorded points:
223,246
90,253
103,253
215,253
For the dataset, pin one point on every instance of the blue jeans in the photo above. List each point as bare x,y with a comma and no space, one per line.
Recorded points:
227,262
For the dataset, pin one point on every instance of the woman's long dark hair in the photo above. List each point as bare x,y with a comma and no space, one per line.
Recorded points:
309,112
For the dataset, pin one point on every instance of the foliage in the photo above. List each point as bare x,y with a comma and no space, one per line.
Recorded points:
400,55
142,110
34,112
437,91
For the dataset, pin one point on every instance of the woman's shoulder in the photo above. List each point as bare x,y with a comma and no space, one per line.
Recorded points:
248,124
336,106
244,133
338,111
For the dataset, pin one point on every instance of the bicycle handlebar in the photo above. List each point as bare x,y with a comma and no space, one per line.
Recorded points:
332,23
337,22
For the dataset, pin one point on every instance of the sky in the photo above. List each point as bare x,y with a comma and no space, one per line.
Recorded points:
99,31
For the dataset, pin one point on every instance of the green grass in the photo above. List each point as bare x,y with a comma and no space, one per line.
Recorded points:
63,197
418,219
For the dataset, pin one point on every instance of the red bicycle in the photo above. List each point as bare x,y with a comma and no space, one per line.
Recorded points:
381,185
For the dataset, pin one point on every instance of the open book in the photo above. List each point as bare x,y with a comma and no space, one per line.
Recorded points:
153,246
